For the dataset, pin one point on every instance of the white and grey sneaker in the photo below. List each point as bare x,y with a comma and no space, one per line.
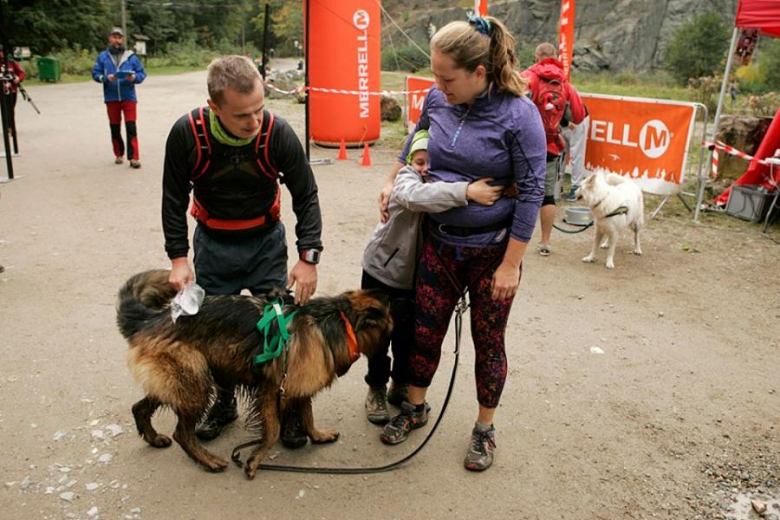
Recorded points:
481,448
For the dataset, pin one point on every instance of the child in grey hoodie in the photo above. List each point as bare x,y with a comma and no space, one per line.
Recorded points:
390,259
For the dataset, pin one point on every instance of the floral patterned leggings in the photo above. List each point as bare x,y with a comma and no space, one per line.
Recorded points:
435,302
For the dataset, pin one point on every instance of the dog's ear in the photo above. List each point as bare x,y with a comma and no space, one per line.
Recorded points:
373,317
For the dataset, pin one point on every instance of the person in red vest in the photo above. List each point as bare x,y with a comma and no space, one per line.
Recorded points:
553,95
12,76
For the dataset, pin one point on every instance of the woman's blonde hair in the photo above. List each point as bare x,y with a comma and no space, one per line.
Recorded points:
469,47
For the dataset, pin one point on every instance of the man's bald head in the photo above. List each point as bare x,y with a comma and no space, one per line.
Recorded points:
544,51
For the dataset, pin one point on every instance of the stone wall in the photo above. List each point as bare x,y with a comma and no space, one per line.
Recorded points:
609,34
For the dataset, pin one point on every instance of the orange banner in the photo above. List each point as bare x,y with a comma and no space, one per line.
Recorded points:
415,100
644,139
566,35
481,7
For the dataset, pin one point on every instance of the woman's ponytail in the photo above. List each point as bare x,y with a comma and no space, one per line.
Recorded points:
503,59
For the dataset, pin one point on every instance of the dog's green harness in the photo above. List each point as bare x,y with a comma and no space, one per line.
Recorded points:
274,338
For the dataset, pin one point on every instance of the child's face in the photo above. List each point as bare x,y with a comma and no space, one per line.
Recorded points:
420,162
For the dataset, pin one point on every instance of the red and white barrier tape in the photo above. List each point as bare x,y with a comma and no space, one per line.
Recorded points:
349,92
720,145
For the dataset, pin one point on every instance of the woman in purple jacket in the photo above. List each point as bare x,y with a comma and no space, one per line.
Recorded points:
481,124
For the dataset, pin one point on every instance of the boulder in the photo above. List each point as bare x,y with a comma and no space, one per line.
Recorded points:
743,133
391,109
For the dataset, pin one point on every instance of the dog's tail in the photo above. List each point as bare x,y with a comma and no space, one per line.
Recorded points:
142,298
614,179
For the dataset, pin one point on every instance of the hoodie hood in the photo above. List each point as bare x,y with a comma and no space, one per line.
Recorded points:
549,69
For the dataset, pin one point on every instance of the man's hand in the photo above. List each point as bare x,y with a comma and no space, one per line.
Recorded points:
181,273
304,277
16,80
111,78
130,78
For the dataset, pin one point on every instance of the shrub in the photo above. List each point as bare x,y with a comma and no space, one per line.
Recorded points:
408,58
697,47
705,90
769,63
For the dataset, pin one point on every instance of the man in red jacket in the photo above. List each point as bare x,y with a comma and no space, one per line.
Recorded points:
553,95
11,78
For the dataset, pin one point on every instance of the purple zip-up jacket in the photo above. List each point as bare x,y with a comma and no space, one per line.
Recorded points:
500,136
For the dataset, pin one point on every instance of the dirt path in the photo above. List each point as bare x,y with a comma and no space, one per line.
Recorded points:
678,418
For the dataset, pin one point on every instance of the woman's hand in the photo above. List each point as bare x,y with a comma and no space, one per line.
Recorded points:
384,200
482,192
506,280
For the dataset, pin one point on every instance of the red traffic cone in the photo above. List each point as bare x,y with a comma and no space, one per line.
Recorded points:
366,156
342,152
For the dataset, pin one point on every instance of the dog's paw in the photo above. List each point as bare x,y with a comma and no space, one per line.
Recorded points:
215,464
250,472
610,264
160,441
604,244
589,259
637,252
324,436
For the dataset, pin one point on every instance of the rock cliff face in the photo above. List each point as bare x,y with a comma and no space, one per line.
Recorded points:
609,34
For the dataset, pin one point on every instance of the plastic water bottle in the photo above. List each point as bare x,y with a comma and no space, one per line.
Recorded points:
187,302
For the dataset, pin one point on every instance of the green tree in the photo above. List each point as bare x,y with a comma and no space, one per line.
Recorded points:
47,25
769,63
698,47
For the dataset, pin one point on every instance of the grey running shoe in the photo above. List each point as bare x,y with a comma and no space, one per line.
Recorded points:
572,194
398,394
135,164
397,430
119,159
481,448
376,405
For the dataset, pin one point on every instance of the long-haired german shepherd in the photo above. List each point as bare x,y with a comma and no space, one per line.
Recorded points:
179,363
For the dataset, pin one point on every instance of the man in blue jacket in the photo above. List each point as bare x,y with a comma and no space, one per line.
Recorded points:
119,70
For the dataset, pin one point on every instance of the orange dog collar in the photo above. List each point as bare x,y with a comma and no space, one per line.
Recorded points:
352,343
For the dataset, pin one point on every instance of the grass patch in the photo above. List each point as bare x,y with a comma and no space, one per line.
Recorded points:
64,78
166,70
655,85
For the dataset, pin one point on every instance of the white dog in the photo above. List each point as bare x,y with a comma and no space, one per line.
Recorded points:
616,203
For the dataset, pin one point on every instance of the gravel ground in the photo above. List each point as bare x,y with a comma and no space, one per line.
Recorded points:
677,418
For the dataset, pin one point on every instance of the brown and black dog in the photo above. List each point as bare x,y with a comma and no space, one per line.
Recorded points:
179,363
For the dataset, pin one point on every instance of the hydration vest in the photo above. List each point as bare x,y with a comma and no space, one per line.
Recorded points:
261,150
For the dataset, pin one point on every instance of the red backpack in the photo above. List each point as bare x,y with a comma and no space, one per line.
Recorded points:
550,99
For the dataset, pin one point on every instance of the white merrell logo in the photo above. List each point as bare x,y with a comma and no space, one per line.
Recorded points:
653,139
361,21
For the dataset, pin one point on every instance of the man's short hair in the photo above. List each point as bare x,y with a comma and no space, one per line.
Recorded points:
236,72
546,50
